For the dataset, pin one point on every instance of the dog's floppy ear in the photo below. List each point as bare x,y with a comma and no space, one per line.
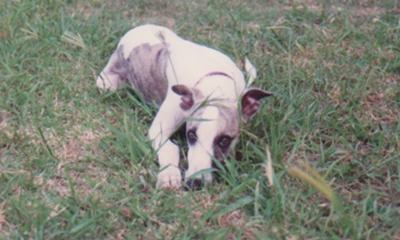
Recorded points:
251,102
186,96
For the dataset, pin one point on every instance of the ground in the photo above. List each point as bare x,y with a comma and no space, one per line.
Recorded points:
76,164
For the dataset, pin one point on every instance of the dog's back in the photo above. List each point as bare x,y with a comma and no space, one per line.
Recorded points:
145,34
152,58
187,61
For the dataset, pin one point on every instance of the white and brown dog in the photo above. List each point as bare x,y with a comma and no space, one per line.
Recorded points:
190,83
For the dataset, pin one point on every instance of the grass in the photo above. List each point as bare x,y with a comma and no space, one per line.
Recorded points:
76,164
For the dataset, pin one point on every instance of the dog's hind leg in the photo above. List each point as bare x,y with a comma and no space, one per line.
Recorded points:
114,75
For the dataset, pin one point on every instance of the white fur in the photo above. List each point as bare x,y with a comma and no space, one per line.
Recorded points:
183,53
188,62
200,155
163,126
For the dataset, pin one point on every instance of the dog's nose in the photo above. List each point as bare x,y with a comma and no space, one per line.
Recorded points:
193,184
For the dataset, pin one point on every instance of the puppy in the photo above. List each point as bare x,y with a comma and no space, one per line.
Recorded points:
190,83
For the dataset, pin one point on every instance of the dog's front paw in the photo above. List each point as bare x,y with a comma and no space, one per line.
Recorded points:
169,177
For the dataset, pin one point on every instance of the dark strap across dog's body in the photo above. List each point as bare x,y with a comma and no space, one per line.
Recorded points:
217,73
213,73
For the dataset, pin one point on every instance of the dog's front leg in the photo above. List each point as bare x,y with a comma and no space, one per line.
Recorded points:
164,125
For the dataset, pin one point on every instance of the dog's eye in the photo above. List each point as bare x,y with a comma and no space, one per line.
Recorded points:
224,142
192,136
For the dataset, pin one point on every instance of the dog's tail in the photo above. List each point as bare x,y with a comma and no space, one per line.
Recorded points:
251,71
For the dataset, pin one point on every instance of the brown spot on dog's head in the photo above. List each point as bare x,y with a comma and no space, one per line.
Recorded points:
225,134
228,132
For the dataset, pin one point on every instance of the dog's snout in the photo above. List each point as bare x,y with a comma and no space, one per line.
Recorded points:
193,184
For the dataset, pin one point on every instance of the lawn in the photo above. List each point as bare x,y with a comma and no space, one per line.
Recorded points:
75,163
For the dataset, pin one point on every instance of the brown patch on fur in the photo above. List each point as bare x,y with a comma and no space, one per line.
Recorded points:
229,122
227,125
146,71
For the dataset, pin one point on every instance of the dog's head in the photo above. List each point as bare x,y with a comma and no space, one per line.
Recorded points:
212,128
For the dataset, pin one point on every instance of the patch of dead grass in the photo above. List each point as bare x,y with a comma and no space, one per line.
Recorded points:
203,203
81,182
335,94
120,234
76,148
4,115
4,131
237,219
311,5
358,11
3,221
304,58
364,11
70,147
71,151
377,107
3,35
86,9
300,155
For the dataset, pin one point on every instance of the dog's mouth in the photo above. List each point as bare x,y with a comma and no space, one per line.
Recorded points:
197,184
